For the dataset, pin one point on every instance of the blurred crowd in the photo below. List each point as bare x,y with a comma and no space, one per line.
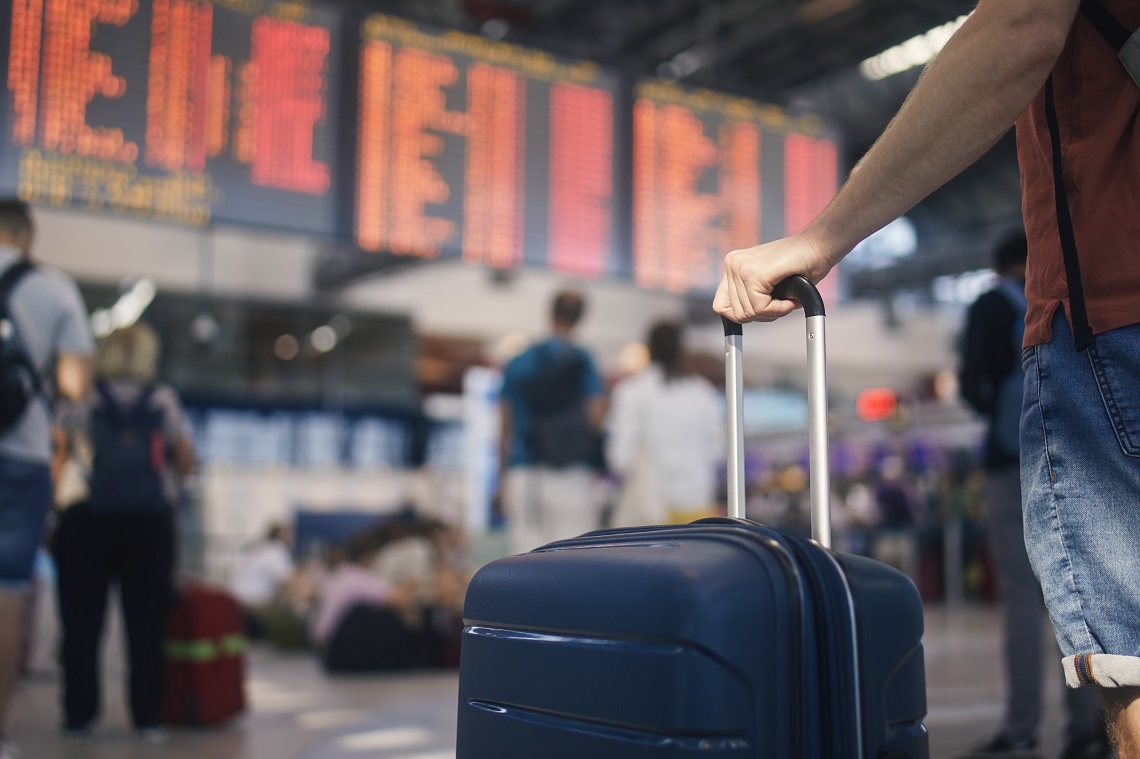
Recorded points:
387,597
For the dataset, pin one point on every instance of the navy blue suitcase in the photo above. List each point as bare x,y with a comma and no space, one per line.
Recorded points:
720,638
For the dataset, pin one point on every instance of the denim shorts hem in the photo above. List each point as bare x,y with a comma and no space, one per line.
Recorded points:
1105,670
15,586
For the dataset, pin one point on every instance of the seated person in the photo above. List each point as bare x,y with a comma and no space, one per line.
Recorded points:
365,622
261,573
354,582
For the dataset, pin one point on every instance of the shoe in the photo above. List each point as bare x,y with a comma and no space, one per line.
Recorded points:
1002,746
1094,748
152,736
76,733
9,750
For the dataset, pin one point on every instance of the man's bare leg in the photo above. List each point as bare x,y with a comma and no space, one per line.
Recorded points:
1122,712
11,619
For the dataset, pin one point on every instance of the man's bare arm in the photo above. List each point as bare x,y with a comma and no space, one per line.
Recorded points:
185,458
968,97
73,376
596,412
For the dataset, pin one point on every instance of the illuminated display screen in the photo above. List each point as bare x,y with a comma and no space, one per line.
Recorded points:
174,110
485,150
713,173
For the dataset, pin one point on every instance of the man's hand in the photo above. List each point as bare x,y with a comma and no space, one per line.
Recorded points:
750,275
967,98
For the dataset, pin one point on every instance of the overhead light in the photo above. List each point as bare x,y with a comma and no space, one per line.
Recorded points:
128,309
495,29
684,63
323,339
205,328
286,347
917,51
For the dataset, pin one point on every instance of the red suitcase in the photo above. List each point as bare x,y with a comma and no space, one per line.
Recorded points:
205,658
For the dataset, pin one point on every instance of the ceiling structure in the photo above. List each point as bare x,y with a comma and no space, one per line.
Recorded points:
800,54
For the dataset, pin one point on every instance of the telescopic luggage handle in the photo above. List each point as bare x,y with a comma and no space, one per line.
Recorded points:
800,289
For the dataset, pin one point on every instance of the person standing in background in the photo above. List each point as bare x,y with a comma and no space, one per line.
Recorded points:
666,438
992,381
552,410
43,336
131,435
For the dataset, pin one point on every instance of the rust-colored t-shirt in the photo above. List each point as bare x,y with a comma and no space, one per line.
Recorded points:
1098,107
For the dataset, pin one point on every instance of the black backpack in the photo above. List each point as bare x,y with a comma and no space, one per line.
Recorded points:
129,455
19,380
560,434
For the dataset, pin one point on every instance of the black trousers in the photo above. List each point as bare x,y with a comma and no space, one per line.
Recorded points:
136,552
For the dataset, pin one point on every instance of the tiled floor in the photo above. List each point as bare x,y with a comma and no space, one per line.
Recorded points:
298,713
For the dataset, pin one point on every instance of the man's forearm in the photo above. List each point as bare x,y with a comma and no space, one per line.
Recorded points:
965,101
73,376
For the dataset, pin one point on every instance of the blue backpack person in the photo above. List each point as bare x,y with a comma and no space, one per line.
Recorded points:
130,451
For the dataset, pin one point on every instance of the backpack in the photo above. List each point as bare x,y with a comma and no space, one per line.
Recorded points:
560,433
129,445
19,380
1006,427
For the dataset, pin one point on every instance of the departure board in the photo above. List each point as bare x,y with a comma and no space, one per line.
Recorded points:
486,150
173,110
713,173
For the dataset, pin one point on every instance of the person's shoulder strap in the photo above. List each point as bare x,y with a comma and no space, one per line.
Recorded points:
145,394
1078,315
8,281
1112,30
1125,42
107,400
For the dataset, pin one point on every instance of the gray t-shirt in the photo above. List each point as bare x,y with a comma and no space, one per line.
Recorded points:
50,318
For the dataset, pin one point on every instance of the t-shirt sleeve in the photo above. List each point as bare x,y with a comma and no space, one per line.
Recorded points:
175,424
592,385
72,333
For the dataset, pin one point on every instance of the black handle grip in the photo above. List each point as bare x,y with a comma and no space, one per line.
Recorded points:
797,287
731,327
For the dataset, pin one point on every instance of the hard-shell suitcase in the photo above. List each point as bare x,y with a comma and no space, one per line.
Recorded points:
720,638
205,658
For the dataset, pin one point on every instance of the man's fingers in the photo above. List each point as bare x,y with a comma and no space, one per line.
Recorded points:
735,310
777,309
747,312
721,302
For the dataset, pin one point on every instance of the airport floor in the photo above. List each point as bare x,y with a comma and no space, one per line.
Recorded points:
298,713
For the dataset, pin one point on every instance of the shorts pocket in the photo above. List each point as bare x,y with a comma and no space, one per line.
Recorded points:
1115,358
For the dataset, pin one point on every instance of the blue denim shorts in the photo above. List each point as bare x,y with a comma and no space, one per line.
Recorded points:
1080,478
25,500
